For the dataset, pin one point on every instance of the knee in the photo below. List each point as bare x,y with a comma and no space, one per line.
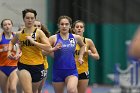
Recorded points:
27,92
13,90
72,90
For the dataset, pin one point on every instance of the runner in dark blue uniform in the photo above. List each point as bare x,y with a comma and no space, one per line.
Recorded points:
64,67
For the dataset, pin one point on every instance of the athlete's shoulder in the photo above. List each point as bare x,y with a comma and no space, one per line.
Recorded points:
76,36
88,40
52,39
1,35
53,36
38,30
13,32
17,34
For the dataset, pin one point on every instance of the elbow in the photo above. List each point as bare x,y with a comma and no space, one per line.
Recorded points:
11,43
134,51
48,49
98,57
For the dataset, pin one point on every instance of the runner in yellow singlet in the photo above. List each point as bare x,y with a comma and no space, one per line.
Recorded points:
83,73
31,63
39,25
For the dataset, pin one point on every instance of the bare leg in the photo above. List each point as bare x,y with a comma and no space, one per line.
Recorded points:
26,81
35,86
41,85
13,79
72,82
58,87
3,82
82,85
19,87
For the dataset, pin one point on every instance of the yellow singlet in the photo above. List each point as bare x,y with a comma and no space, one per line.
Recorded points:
84,67
45,63
31,55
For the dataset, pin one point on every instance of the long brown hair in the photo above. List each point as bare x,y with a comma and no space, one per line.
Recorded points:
45,30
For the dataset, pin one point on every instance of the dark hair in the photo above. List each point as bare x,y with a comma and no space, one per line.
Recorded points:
29,10
45,30
64,17
5,20
77,21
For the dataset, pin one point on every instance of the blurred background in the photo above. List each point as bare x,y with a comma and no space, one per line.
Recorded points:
109,23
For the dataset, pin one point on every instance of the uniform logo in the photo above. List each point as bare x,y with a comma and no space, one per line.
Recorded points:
33,35
72,41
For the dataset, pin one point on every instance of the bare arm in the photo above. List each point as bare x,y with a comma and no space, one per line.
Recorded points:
11,46
0,37
134,48
13,42
52,41
45,53
18,51
92,50
45,44
82,47
1,50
